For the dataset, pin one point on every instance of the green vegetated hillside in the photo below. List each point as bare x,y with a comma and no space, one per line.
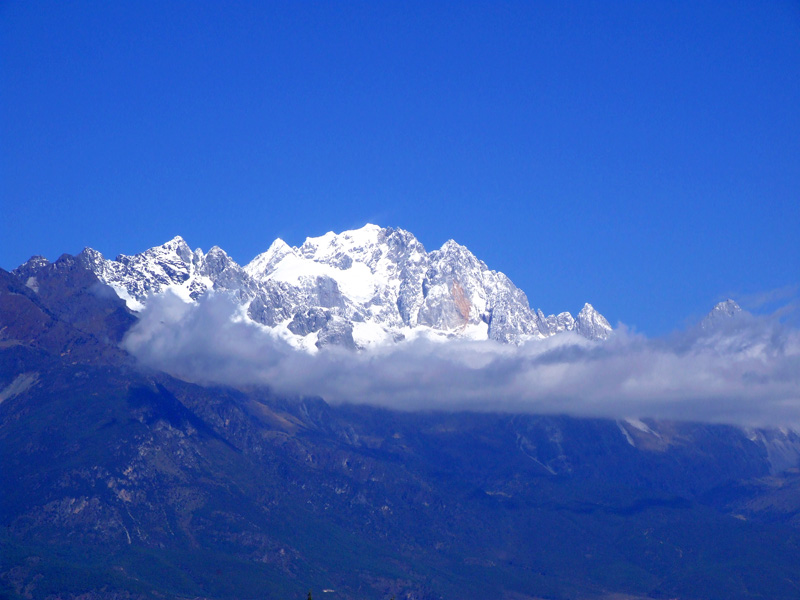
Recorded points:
119,483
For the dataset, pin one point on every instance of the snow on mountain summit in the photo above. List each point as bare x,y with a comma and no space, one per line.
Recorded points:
721,313
358,288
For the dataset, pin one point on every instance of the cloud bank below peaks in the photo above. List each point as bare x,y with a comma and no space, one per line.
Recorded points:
744,370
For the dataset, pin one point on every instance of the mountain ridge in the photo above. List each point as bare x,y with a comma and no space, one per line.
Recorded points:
358,288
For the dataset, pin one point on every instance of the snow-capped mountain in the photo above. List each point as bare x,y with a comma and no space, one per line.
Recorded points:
721,313
357,289
171,266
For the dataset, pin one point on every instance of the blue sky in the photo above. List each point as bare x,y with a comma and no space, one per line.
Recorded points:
642,156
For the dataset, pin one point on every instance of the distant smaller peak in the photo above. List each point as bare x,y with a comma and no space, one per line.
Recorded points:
279,244
591,324
177,245
176,241
398,231
452,246
216,250
173,244
721,312
90,258
277,249
33,264
728,306
36,262
65,259
87,251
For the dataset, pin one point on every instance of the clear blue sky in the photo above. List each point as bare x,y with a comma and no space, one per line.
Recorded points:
643,156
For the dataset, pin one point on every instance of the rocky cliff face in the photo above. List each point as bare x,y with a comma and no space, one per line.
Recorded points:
359,289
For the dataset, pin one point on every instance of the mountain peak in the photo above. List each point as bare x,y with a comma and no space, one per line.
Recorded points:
33,263
216,250
591,324
452,246
728,307
264,264
178,245
721,312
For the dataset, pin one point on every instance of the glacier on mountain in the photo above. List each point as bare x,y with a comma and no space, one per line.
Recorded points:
358,289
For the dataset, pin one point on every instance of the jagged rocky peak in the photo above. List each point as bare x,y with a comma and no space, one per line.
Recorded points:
457,291
453,257
170,266
216,261
90,256
176,245
27,271
726,308
33,264
224,273
591,324
721,313
175,252
558,323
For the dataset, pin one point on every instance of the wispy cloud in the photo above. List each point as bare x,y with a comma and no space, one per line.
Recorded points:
757,300
782,302
746,371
